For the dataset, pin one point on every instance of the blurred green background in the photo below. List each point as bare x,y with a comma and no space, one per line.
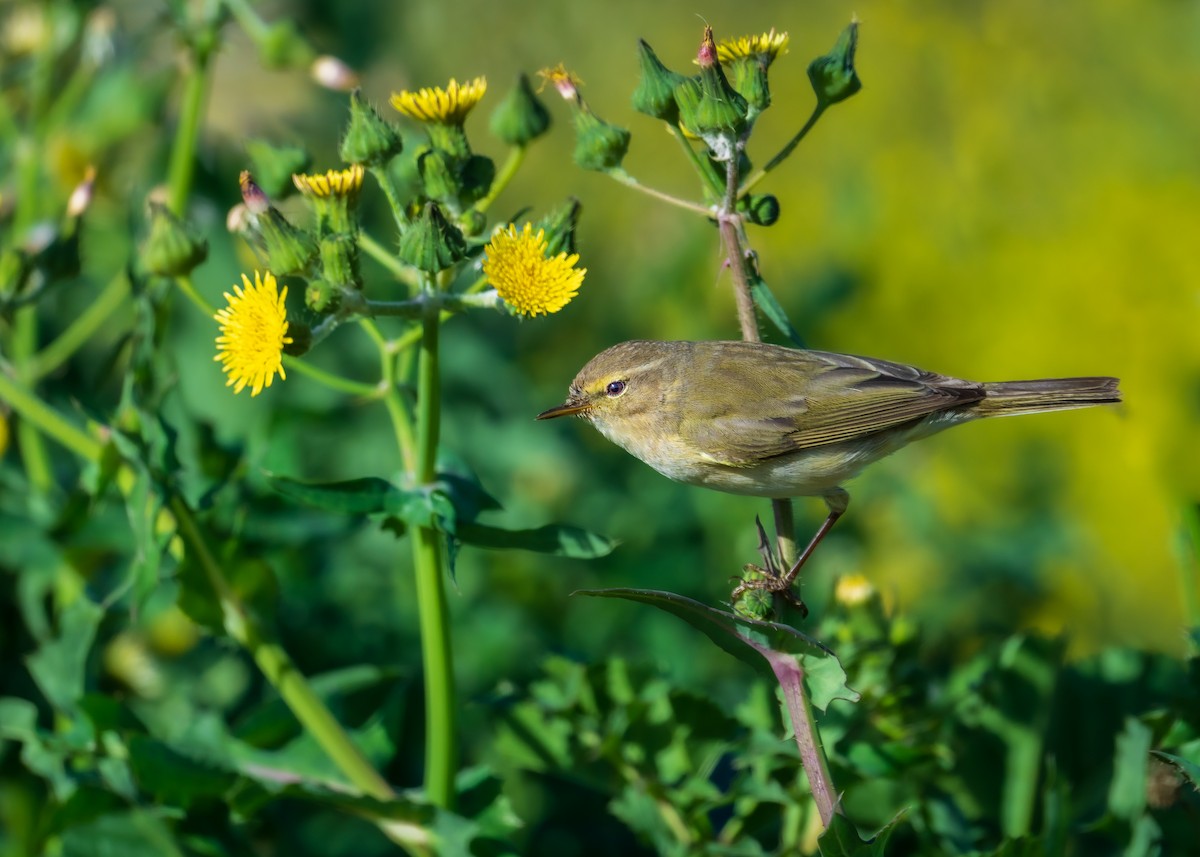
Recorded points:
1014,194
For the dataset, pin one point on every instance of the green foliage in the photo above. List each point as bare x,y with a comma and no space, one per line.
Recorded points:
185,635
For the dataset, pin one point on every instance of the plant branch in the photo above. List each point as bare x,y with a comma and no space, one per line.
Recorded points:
80,331
516,155
787,149
629,181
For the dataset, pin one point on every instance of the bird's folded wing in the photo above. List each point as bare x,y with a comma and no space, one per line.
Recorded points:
817,398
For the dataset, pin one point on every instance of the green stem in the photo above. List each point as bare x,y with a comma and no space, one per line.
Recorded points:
110,299
38,416
629,181
786,150
256,28
334,382
184,281
401,420
182,166
516,155
812,755
24,347
434,613
279,668
699,161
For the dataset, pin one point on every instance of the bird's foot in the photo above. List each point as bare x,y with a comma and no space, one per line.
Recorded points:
760,588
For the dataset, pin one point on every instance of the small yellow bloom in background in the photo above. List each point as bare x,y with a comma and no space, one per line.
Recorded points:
516,266
852,590
343,183
566,82
253,332
448,106
768,45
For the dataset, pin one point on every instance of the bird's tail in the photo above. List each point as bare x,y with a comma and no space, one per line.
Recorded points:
1004,398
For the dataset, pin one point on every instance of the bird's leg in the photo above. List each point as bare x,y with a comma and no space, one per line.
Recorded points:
781,584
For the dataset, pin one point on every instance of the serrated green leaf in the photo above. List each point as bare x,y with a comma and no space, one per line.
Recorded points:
174,778
765,300
1188,768
556,539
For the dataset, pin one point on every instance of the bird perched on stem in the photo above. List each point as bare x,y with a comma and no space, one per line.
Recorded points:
768,421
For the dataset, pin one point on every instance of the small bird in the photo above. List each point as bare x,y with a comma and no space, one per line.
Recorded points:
768,421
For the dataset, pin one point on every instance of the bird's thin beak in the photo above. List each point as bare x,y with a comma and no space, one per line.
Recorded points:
571,406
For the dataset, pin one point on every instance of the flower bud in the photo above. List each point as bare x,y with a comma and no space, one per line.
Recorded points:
655,93
475,177
273,165
762,208
438,179
749,77
598,145
521,117
559,227
431,243
339,261
708,105
369,138
833,76
321,296
171,249
289,250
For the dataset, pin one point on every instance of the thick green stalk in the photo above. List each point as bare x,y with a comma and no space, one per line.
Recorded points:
516,155
40,417
182,166
434,614
279,669
812,755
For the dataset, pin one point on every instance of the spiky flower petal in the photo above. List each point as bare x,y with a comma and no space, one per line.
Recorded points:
343,183
448,106
253,332
766,46
517,266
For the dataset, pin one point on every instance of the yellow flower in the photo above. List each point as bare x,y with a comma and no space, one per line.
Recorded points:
768,46
448,106
343,183
517,267
253,332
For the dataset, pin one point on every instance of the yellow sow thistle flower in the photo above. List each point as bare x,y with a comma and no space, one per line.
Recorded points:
768,45
253,332
448,106
341,183
517,268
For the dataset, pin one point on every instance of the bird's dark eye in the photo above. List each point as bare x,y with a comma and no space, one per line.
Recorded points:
615,388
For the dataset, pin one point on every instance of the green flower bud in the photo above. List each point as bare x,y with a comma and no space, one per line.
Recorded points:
289,250
472,222
762,208
476,176
708,105
755,603
655,93
438,176
749,77
282,46
833,76
171,249
521,117
559,226
273,165
339,261
431,243
598,145
369,139
321,296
